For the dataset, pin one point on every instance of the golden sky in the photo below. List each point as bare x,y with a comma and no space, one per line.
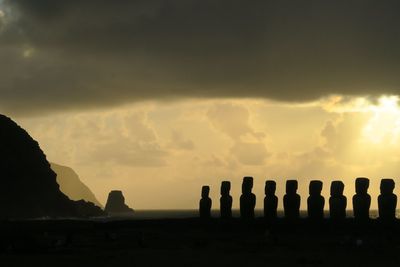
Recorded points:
158,98
161,153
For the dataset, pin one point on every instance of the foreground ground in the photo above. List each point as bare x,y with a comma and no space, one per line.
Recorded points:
191,242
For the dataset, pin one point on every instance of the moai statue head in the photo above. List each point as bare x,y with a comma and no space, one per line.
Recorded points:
270,188
362,185
205,191
291,187
247,185
337,188
387,186
225,188
315,188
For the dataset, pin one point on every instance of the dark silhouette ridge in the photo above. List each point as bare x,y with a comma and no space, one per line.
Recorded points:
71,184
270,201
116,204
28,185
247,199
226,200
361,200
88,209
315,202
337,201
387,201
205,203
291,200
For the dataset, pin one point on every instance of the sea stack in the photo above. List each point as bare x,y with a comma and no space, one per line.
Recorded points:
28,187
116,204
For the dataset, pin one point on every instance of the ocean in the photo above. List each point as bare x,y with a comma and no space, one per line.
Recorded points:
173,214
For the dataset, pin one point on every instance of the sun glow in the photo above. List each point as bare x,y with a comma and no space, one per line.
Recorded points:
384,125
2,19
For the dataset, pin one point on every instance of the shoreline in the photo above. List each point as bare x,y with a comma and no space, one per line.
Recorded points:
196,242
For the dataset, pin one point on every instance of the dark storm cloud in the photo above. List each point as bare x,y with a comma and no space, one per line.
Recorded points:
58,54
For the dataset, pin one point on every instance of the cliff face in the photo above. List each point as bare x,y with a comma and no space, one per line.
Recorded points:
71,185
28,187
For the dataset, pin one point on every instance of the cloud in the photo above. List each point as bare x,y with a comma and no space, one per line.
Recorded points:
234,121
345,141
117,138
127,139
135,148
179,142
250,153
99,53
126,152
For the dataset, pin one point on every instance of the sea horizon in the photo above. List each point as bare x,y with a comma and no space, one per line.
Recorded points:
190,213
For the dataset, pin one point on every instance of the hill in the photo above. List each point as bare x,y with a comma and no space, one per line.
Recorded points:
71,184
28,186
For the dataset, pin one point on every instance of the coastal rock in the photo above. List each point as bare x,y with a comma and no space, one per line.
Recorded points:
116,204
28,187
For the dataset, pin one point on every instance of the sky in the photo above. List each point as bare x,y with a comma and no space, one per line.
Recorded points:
160,97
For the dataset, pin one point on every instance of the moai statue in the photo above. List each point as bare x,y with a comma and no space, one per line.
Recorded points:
387,201
247,199
225,200
205,203
291,201
337,201
270,201
315,202
361,200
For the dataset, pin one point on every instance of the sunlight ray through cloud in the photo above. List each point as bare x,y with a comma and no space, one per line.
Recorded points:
2,19
385,121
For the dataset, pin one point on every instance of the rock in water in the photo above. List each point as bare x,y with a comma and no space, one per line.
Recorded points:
72,186
116,204
28,187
